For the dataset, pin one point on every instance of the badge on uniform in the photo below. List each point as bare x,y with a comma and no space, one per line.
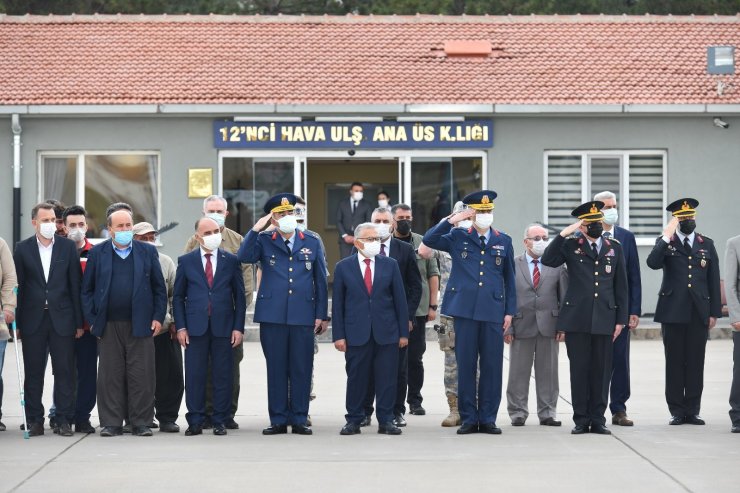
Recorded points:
464,254
703,263
272,261
608,269
498,260
308,265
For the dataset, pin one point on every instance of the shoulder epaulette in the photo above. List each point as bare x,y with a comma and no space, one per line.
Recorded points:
313,234
615,240
702,237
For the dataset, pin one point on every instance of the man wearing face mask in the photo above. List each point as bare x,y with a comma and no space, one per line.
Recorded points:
370,324
594,311
689,305
167,353
384,199
124,300
216,207
351,212
49,317
619,390
481,296
292,306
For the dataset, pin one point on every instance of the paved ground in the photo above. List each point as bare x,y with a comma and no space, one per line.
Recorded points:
650,457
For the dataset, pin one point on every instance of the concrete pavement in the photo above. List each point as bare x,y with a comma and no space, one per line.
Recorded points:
650,456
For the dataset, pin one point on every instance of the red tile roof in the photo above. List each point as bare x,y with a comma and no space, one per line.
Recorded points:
360,60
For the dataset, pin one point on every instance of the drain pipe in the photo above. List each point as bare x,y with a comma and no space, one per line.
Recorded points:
16,126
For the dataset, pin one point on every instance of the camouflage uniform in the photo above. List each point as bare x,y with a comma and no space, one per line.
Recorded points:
447,340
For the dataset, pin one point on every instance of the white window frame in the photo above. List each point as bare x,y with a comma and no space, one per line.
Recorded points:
624,157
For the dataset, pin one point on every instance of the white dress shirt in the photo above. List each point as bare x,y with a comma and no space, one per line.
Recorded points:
45,254
387,244
361,258
682,236
531,265
214,259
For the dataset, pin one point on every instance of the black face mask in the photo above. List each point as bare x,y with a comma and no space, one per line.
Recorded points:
403,227
687,226
594,229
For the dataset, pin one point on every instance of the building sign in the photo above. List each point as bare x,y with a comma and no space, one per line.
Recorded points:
475,134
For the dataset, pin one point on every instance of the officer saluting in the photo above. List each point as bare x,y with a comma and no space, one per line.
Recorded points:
593,313
481,296
688,306
292,304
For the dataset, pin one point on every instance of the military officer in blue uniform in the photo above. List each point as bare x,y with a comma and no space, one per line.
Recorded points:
481,296
291,306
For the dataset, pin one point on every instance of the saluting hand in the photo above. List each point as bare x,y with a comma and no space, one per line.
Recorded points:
617,331
260,225
569,230
461,216
670,228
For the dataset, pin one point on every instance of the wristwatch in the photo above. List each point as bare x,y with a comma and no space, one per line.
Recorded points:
433,307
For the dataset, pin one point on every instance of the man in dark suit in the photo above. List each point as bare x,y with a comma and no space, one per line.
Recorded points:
594,312
49,317
209,310
403,253
124,300
369,324
689,305
351,212
620,379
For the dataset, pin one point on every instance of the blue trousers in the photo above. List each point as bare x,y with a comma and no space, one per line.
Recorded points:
379,361
478,343
197,354
288,351
86,356
620,378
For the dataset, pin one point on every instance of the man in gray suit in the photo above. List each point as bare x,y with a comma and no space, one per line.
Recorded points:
532,335
732,283
352,212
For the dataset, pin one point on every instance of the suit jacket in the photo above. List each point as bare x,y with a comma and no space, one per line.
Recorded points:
537,310
688,279
356,315
481,285
632,263
596,299
61,291
732,278
346,220
193,296
149,295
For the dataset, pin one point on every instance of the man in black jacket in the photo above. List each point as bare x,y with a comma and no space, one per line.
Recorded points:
352,211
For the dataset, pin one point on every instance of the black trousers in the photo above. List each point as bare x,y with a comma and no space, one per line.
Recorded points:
685,345
417,347
86,356
399,406
62,352
735,389
590,358
170,384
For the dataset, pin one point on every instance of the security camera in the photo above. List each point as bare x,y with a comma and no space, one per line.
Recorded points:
351,152
720,123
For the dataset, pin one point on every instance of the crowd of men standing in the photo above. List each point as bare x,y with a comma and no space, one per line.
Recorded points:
116,318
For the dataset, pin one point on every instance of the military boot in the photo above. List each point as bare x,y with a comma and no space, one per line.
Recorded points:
454,418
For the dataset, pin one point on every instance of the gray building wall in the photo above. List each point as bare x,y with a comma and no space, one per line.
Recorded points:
6,180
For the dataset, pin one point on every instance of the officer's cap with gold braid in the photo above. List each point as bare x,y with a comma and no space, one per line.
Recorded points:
589,212
280,203
480,201
683,207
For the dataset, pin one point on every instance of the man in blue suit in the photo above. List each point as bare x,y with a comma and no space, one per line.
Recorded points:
292,305
209,309
124,300
369,324
620,375
481,296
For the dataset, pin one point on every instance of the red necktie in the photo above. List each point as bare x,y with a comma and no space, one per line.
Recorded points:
209,270
368,277
535,274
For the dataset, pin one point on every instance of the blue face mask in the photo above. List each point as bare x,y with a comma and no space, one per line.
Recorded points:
124,238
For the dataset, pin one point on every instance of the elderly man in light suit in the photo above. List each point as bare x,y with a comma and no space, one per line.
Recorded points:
732,291
532,336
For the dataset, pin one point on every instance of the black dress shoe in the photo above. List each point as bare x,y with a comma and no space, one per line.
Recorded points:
169,427
694,419
550,422
53,422
389,429
207,425
230,424
63,429
35,429
600,429
126,428
194,430
275,430
350,429
579,430
219,430
84,427
467,429
735,429
153,425
141,431
2,426
489,428
111,431
517,421
301,430
399,420
417,410
366,421
676,420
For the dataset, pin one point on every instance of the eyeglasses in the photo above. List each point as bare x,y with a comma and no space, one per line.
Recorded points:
539,238
370,239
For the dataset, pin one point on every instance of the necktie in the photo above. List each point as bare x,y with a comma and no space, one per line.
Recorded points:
209,270
382,249
686,244
354,206
535,274
482,242
287,245
596,250
368,277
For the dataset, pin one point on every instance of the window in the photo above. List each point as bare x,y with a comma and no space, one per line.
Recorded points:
636,177
95,180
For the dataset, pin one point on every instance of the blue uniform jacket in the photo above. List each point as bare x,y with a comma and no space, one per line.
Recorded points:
293,289
632,262
481,285
192,295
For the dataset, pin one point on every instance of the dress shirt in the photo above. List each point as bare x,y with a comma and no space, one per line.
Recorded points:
361,259
214,260
122,252
45,253
531,266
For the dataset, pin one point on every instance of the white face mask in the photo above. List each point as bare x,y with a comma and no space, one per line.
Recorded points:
357,196
484,221
372,248
48,230
382,203
219,218
212,242
287,224
301,226
538,247
465,224
76,234
384,230
611,216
